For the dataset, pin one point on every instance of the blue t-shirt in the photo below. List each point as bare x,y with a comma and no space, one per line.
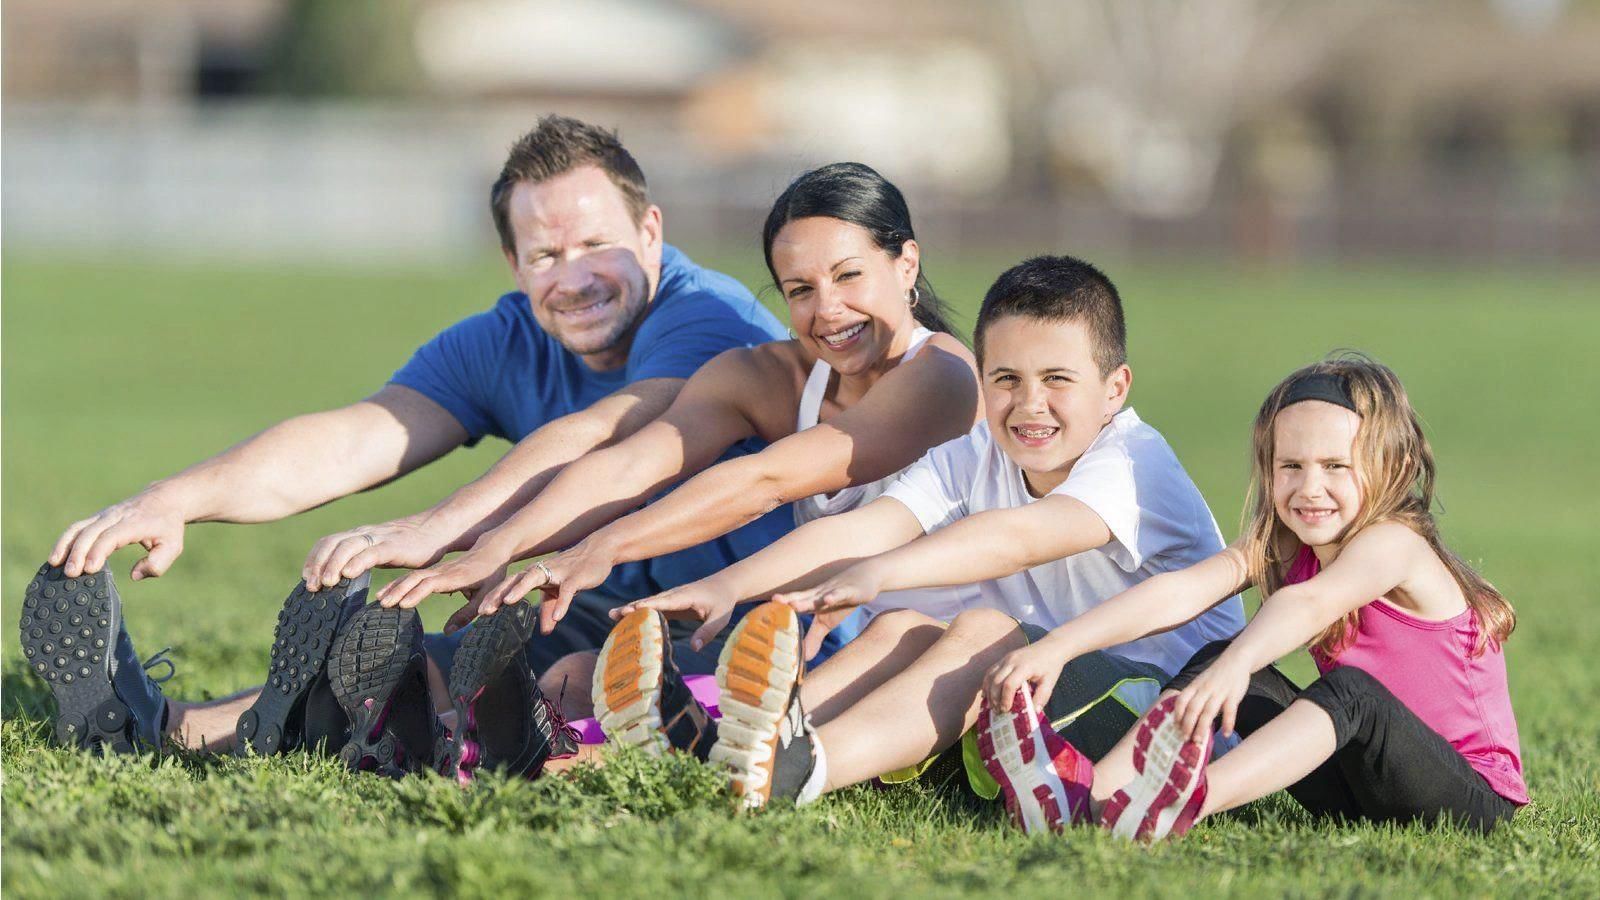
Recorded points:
500,374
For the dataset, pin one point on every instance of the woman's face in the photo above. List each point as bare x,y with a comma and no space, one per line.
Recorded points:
848,299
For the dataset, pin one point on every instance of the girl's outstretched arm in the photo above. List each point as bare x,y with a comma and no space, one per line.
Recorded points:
1156,604
1373,563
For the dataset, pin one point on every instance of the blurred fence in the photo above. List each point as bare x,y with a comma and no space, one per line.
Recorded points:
336,181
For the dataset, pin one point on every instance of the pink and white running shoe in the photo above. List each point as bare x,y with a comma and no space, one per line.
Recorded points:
1044,779
1165,798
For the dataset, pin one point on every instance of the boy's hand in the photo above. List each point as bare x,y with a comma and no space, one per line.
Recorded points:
843,592
1036,666
702,600
1217,691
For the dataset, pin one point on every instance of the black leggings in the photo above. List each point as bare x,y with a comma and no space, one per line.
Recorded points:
1387,765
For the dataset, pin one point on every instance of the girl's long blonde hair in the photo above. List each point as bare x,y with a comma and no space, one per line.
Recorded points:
1395,469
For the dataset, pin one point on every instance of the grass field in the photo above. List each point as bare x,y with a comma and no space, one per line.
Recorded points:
118,373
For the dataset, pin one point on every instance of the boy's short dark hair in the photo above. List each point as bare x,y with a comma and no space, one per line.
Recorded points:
1060,289
556,146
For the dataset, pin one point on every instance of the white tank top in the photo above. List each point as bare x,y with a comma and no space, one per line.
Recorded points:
940,603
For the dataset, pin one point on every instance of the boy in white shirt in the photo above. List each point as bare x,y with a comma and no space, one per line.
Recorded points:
1057,502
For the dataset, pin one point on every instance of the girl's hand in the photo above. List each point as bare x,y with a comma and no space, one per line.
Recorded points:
467,573
1036,666
701,600
1217,691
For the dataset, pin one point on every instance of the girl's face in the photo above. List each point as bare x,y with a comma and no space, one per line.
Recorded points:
1316,488
847,298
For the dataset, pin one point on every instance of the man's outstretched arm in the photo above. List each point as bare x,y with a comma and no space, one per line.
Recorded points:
455,522
291,467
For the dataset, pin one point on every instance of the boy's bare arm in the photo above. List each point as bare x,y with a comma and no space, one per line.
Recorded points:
993,544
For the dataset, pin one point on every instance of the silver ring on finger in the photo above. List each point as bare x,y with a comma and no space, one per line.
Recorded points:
371,541
545,571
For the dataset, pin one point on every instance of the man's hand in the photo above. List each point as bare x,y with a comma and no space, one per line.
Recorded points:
404,543
1036,666
467,573
145,520
703,600
1217,691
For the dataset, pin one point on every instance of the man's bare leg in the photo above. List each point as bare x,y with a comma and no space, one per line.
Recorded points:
924,708
211,725
569,684
891,642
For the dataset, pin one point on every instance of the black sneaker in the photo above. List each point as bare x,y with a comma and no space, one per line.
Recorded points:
639,695
296,707
379,676
503,720
764,739
73,638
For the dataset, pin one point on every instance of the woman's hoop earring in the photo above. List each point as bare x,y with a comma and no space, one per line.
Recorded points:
914,295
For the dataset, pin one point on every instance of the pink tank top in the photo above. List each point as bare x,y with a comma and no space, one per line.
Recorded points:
1429,666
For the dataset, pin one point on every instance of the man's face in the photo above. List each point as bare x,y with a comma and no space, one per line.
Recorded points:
1044,395
588,268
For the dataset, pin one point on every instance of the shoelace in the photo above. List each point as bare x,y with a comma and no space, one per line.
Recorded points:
557,719
160,658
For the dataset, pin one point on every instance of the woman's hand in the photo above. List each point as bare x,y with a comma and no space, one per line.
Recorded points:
704,600
1037,667
559,578
1217,691
468,573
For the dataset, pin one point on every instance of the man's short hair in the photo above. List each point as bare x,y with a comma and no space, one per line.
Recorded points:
556,146
1060,289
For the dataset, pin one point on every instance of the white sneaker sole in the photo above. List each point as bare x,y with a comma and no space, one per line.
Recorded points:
1171,770
627,683
758,671
1022,757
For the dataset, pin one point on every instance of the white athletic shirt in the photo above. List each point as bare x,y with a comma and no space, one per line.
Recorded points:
940,603
1131,478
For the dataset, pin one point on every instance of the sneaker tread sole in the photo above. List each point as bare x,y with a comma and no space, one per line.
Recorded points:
302,643
758,670
69,629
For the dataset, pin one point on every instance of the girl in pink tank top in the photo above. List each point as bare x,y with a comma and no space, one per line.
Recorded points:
1410,719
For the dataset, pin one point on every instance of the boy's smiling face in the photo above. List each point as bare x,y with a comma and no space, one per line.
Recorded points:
1044,395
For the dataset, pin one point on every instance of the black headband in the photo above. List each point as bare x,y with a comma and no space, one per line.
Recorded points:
1324,386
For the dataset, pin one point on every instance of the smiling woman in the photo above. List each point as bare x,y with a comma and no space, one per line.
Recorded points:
871,380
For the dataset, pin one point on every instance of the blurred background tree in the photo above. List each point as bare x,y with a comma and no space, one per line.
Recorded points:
358,48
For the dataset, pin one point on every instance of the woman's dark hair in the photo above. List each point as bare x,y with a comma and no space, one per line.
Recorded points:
855,193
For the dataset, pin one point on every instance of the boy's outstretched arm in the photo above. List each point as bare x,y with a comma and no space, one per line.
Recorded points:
981,547
811,553
1156,604
1372,564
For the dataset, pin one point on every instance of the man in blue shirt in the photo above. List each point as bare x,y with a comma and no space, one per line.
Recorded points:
606,325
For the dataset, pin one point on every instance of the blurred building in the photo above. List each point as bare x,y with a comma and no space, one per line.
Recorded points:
1272,128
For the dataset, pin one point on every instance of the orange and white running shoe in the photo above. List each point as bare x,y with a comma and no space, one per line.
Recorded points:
1165,798
1044,779
639,695
763,739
